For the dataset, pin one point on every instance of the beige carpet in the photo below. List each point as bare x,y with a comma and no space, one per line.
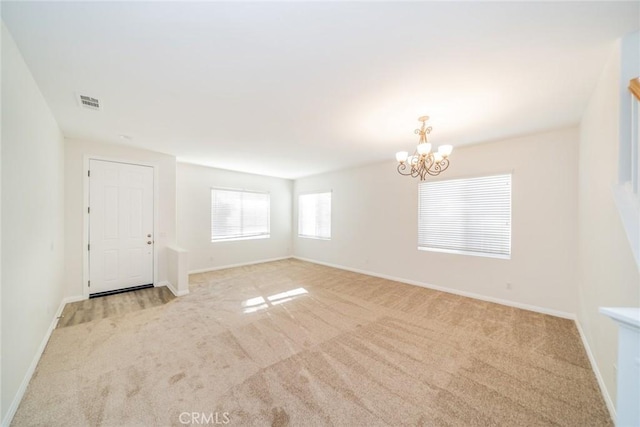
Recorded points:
114,305
292,343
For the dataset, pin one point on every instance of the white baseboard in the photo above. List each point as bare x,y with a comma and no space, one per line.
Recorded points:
173,290
528,307
34,363
594,366
223,267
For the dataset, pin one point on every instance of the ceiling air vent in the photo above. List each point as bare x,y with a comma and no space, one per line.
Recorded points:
89,102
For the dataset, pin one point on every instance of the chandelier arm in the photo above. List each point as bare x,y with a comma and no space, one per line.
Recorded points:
438,167
402,167
435,171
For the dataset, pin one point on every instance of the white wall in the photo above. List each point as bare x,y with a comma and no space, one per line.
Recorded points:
32,220
375,223
75,207
608,275
194,217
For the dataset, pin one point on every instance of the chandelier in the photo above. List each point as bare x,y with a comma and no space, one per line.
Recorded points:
423,162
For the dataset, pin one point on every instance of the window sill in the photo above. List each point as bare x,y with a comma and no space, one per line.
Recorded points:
314,237
235,239
455,252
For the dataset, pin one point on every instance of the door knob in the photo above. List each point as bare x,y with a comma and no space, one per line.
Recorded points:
148,235
149,242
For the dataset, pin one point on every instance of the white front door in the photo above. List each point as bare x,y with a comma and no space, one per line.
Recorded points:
120,226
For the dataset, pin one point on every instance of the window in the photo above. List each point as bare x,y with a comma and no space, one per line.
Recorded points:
239,215
314,215
466,216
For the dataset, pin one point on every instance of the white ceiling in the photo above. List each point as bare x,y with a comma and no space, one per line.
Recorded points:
298,88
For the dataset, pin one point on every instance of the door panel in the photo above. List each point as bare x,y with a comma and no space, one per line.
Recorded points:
120,226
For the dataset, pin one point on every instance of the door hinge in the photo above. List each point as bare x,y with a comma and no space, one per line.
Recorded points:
89,246
89,173
89,209
89,283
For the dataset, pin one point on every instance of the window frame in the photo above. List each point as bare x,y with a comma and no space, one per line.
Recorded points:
309,193
470,252
266,235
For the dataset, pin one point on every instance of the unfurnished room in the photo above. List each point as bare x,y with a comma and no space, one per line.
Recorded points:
320,213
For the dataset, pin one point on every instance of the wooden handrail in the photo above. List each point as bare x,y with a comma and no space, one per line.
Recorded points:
634,87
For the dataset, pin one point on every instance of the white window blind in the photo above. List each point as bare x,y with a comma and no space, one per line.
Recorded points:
239,214
314,215
469,216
